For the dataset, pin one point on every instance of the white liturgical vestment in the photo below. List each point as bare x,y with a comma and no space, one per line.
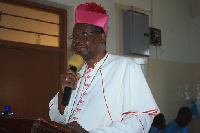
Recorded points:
112,97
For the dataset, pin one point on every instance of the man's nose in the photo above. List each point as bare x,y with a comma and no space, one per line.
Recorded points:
78,38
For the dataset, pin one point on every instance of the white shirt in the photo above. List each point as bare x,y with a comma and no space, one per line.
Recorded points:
112,97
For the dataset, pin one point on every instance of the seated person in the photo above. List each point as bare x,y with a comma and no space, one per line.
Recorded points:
179,125
158,124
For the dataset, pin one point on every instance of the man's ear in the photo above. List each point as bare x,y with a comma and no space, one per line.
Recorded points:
103,38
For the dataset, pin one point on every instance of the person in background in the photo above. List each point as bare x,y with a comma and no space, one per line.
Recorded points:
158,124
110,93
179,125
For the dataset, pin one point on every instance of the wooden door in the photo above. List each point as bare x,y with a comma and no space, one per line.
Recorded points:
28,81
29,72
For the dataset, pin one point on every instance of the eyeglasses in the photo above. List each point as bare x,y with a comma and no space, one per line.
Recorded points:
82,35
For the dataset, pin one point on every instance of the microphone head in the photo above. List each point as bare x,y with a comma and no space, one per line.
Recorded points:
75,60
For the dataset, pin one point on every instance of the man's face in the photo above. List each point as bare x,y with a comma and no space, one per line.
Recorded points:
163,125
86,41
185,119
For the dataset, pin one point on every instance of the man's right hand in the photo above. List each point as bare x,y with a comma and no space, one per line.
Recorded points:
67,79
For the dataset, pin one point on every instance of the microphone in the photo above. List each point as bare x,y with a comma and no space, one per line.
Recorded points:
74,63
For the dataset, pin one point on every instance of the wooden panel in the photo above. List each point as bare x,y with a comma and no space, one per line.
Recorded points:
28,81
20,125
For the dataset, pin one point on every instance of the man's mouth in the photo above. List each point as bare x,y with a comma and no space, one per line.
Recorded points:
79,48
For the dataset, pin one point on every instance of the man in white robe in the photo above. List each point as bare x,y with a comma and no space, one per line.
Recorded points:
110,93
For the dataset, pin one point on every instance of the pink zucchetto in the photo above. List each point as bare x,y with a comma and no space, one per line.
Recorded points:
91,13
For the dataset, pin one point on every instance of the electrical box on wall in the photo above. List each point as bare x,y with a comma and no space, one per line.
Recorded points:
136,33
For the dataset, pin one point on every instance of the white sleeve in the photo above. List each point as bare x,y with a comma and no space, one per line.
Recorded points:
139,106
54,113
133,123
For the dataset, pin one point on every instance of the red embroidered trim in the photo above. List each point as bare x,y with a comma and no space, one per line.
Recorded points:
150,112
96,62
83,86
140,123
82,90
50,107
100,60
105,96
157,114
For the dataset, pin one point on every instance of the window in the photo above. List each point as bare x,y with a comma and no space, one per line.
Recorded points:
32,24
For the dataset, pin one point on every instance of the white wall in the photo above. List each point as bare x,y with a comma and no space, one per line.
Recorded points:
196,39
172,17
